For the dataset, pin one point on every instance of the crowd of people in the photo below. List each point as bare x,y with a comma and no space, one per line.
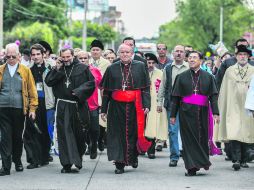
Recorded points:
75,103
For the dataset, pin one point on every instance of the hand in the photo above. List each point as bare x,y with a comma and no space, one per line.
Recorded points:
104,117
32,115
146,110
172,120
59,63
216,118
159,109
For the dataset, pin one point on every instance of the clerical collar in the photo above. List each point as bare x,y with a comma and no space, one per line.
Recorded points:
126,64
196,71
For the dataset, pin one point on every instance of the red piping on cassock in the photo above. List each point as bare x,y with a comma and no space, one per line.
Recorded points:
135,96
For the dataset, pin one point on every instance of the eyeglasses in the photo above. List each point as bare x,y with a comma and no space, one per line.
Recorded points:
161,48
11,57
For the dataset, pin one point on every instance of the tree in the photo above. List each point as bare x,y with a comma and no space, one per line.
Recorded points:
32,34
104,33
197,23
30,11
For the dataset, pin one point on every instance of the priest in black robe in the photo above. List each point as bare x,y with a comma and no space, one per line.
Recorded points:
72,84
192,93
126,100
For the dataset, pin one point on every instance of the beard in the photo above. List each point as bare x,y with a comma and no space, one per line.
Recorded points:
150,69
243,61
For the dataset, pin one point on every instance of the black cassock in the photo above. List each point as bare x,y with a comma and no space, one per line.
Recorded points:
72,111
36,138
122,132
194,118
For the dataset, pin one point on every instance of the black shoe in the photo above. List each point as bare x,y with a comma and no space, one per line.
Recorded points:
66,170
93,155
190,173
236,166
159,148
119,171
101,146
4,172
151,156
19,167
32,166
173,163
135,164
244,165
50,159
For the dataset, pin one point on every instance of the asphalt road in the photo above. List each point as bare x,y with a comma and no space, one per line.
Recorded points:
155,174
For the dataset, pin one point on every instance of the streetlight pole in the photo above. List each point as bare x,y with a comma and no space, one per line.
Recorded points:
84,35
221,23
1,24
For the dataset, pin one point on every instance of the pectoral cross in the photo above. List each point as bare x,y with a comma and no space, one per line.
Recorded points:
124,86
67,83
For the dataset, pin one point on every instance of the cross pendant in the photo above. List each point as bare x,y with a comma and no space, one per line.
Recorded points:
67,83
124,86
195,91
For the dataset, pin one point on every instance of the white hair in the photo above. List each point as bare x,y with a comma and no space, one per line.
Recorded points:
123,45
12,46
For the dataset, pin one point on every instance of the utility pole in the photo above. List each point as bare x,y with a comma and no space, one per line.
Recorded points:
1,24
221,23
84,35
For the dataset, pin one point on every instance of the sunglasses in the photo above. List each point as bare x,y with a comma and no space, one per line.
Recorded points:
11,57
54,58
161,48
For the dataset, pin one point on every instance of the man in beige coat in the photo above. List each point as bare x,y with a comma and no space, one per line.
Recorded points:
236,126
156,122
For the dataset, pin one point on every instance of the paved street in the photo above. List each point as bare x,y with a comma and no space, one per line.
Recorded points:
150,175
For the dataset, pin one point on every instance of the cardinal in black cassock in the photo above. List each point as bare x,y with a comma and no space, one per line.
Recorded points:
72,84
192,92
126,94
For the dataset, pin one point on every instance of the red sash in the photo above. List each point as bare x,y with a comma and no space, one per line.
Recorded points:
135,96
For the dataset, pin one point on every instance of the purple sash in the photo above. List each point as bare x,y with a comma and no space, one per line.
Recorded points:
201,100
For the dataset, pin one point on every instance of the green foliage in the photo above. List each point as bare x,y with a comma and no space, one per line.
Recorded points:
30,11
198,22
31,34
102,32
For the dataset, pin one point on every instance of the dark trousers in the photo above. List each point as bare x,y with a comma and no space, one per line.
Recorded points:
11,129
239,151
94,130
228,150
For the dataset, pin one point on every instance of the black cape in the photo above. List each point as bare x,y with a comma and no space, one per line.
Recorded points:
72,119
121,120
193,118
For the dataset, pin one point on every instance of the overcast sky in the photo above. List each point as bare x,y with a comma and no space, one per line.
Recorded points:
142,18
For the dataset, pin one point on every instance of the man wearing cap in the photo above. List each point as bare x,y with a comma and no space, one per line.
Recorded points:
102,64
236,126
156,123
